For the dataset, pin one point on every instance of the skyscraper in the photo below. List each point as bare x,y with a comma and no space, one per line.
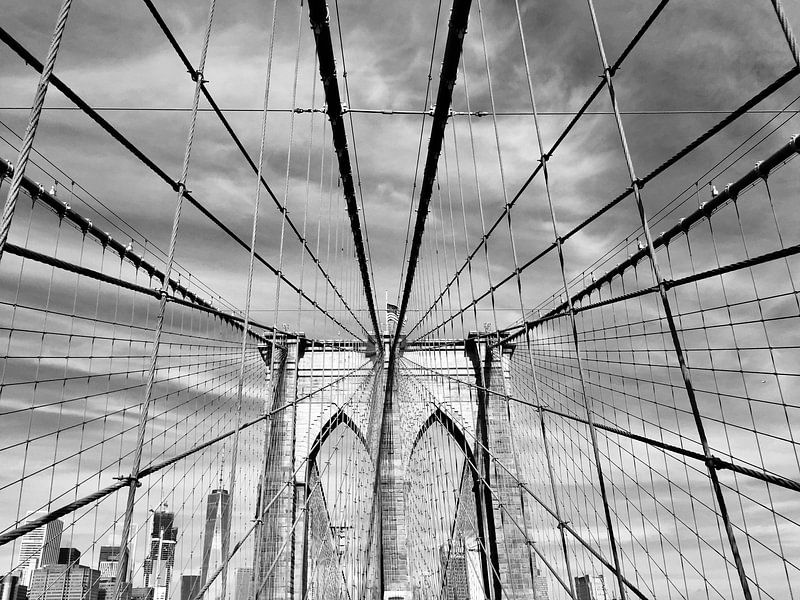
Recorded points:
64,582
12,589
161,559
107,566
590,587
39,547
190,586
108,562
454,570
244,583
541,586
68,556
216,535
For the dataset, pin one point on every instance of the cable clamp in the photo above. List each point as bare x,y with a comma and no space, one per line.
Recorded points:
729,191
793,143
761,173
196,75
562,524
129,479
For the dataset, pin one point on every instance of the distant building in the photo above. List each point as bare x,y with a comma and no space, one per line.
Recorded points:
161,558
69,556
64,582
106,590
216,535
12,589
107,565
39,548
190,585
244,583
541,586
454,570
142,593
109,561
590,587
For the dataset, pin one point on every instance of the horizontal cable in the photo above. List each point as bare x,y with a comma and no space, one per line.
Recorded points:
411,112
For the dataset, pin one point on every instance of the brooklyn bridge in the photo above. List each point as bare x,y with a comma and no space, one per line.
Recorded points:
367,300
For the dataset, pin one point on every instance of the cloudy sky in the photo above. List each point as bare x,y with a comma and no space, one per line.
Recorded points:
697,57
701,59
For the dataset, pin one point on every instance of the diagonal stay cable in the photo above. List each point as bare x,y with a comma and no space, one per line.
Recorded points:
691,146
33,123
9,536
25,55
456,30
576,117
52,261
87,227
238,143
671,161
731,192
320,24
353,138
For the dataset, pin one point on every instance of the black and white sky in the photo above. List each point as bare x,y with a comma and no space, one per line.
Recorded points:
699,56
700,60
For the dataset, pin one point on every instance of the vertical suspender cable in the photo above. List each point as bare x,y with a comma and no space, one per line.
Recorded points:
133,482
457,29
320,23
248,293
786,28
33,124
636,186
512,439
537,392
258,542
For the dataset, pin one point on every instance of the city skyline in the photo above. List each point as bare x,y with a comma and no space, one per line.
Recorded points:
41,548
